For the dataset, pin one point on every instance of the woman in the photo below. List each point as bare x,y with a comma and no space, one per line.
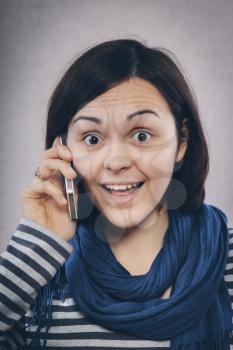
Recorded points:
145,264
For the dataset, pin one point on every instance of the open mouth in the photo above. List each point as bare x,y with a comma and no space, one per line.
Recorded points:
123,196
120,191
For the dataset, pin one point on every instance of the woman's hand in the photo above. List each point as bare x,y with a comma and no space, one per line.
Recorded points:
42,199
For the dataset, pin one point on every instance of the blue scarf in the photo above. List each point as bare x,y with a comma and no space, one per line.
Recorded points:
198,313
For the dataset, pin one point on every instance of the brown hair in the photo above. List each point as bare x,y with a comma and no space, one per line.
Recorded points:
110,63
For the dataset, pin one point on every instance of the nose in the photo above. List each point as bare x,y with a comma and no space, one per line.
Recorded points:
117,158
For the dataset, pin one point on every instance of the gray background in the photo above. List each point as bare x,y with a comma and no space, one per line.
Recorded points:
39,38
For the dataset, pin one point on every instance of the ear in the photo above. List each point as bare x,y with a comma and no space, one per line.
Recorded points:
184,132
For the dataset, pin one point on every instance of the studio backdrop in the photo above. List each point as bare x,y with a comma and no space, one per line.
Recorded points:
38,40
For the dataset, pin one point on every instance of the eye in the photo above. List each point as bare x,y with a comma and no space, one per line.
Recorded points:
91,136
94,137
141,132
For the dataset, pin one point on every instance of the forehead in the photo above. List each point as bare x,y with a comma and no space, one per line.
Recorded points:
130,94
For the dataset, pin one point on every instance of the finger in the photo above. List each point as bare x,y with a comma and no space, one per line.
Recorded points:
58,150
49,165
43,188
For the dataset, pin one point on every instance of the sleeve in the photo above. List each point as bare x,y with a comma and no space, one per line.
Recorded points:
33,256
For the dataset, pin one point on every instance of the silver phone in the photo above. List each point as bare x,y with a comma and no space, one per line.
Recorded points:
70,188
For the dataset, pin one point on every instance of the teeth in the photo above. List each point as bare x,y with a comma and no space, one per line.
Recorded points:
121,187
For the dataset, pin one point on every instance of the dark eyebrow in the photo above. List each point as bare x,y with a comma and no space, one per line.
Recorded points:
129,117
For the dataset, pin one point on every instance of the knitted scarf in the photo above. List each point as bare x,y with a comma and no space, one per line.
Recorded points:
192,260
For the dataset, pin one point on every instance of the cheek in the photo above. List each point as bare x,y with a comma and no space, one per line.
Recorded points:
160,172
158,164
86,166
162,164
163,158
83,161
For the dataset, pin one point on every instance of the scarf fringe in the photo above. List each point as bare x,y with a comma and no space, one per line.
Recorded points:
42,308
218,341
57,289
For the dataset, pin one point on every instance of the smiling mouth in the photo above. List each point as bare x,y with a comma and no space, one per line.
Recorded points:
120,191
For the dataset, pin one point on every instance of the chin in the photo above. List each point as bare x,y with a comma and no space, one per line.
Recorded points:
125,219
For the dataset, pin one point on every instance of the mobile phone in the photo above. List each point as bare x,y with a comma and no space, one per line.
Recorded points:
70,188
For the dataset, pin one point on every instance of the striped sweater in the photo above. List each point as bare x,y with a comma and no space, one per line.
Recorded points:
30,261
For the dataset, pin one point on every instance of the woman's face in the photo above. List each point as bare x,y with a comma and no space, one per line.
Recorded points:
110,147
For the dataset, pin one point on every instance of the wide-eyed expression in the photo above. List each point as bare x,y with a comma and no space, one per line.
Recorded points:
125,135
